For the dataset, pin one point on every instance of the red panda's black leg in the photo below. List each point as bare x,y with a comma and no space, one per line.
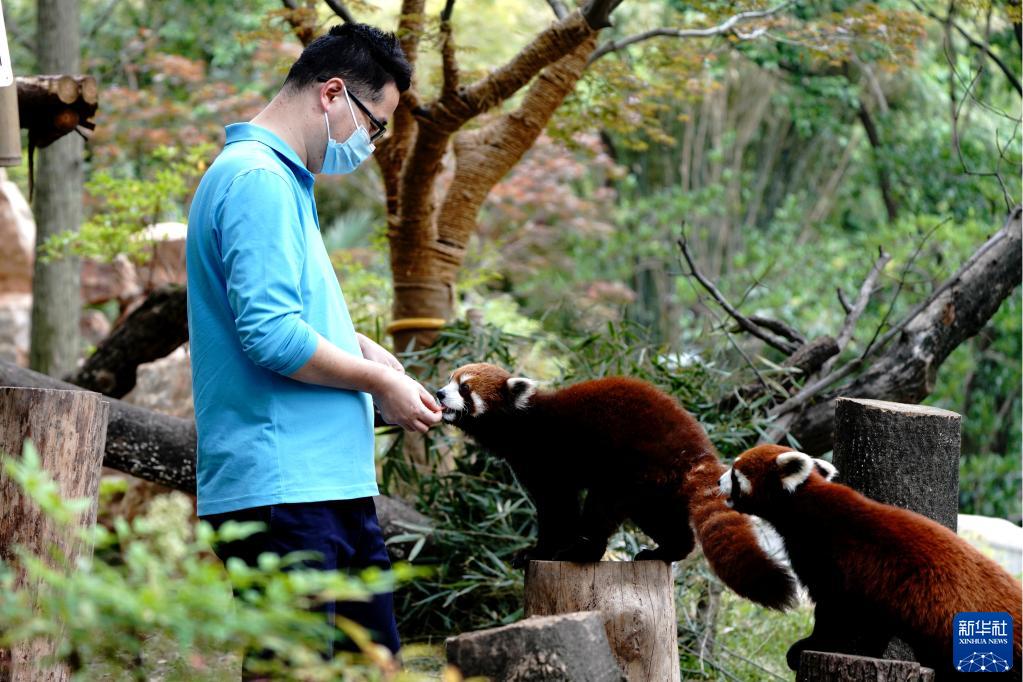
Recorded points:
557,518
843,628
603,512
667,524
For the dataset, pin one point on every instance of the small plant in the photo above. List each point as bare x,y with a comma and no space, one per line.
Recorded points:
154,586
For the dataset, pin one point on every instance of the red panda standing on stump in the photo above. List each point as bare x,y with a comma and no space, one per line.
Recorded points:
875,571
635,453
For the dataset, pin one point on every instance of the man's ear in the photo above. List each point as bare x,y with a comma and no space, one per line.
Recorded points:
795,468
520,390
826,469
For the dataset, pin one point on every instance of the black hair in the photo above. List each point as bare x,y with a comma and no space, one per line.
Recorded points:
365,57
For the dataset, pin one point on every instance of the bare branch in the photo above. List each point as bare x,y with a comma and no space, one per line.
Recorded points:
598,13
341,11
823,383
779,328
853,314
744,322
450,66
842,301
725,27
560,11
1009,75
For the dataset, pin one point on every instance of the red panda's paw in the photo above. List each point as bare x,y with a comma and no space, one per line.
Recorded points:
582,551
522,558
658,554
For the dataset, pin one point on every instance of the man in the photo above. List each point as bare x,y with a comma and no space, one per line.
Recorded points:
283,385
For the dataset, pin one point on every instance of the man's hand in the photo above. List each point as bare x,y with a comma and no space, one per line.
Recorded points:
404,402
373,351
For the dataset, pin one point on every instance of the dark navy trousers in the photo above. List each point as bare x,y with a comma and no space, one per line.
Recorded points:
345,533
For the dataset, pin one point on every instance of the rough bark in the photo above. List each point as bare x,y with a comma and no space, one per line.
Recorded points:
149,333
816,666
144,443
906,370
560,648
903,455
636,597
68,429
56,304
428,242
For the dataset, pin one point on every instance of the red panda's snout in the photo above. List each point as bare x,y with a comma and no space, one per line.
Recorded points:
479,389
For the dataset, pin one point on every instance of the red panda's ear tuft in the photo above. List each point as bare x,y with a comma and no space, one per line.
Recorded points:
795,468
520,390
826,469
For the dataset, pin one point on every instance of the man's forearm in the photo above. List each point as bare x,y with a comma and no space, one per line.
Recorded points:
331,366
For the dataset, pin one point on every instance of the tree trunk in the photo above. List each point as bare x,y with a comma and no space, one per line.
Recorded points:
816,666
69,430
144,443
636,597
56,302
903,455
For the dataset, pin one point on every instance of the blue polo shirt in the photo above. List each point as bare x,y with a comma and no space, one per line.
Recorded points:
261,291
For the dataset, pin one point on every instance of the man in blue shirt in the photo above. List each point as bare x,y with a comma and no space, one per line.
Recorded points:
283,385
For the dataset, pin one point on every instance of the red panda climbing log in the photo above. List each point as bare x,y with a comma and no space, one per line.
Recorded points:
873,570
635,452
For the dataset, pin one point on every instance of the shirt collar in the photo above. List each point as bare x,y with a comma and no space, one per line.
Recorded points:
237,132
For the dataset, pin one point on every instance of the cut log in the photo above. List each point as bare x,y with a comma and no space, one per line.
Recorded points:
817,666
51,106
562,648
68,429
637,599
903,455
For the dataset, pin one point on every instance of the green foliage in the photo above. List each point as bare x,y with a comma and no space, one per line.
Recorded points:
990,485
123,207
154,584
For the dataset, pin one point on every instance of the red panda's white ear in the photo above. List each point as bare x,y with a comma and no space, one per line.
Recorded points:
826,469
795,469
520,390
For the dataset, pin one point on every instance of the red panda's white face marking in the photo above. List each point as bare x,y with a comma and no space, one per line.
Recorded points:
477,389
763,473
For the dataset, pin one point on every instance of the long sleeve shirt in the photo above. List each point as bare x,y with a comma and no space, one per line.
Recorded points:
261,291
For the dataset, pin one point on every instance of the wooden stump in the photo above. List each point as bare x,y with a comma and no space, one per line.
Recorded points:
68,429
817,666
903,455
637,599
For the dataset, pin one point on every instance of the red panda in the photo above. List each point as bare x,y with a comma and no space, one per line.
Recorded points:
874,571
637,455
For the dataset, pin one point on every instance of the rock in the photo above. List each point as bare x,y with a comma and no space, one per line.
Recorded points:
165,385
999,539
15,325
94,327
17,239
113,281
167,256
398,517
569,647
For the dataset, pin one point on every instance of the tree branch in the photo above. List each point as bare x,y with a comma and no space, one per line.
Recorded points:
449,65
722,28
341,11
560,11
744,322
853,314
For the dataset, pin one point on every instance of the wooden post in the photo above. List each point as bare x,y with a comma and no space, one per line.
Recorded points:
903,455
817,666
10,128
637,599
68,429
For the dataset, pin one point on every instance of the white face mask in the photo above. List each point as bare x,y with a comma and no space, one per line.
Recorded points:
344,157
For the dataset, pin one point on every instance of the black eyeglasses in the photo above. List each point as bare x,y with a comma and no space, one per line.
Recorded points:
380,126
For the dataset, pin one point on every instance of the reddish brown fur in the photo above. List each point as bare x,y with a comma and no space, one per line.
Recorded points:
638,455
874,569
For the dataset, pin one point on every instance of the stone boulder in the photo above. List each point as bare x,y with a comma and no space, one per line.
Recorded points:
17,239
15,325
567,647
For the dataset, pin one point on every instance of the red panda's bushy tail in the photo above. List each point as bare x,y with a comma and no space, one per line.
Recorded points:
730,544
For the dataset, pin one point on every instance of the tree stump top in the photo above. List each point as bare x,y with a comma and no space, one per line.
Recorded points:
901,408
